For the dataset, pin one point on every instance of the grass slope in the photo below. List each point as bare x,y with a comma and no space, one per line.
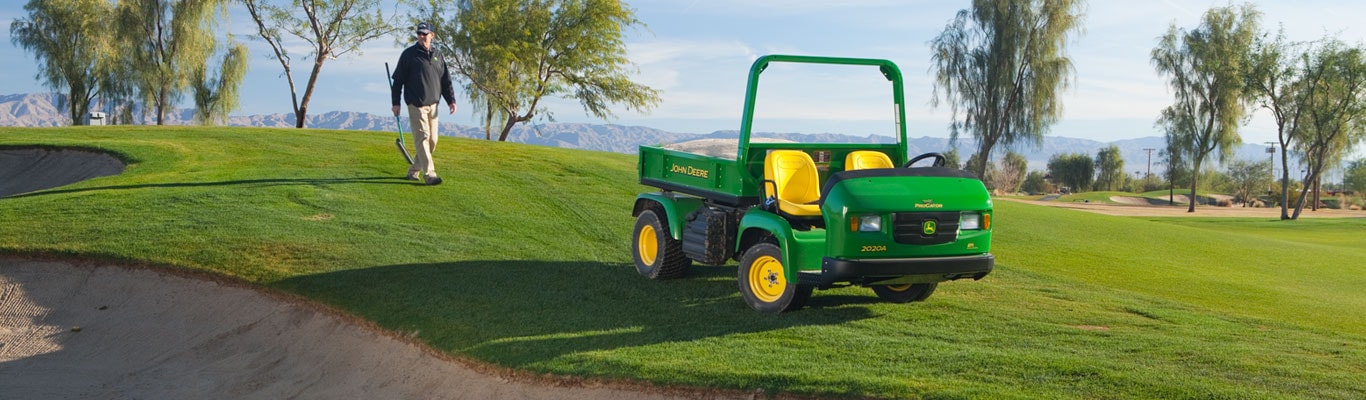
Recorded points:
522,259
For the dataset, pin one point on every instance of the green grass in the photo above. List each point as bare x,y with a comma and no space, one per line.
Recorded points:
522,259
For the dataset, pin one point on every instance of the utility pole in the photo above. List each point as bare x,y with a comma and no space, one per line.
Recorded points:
1150,162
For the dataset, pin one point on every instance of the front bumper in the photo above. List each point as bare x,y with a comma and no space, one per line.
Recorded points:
837,270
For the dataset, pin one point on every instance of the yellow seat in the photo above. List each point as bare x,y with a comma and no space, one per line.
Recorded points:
865,159
796,180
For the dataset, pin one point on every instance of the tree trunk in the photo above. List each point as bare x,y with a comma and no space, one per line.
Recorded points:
1195,178
1317,191
514,119
984,155
1285,185
1304,192
161,106
488,123
302,113
79,105
507,128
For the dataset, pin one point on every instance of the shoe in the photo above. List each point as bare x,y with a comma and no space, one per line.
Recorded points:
413,177
433,180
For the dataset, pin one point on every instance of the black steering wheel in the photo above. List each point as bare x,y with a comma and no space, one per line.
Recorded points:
939,160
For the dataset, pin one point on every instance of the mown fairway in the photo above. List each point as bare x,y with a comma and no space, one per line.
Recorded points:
522,259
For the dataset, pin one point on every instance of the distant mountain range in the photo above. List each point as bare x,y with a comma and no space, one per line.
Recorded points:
41,110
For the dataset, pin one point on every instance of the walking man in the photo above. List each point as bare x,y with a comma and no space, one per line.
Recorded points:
422,79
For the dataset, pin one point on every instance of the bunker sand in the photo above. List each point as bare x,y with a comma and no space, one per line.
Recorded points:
24,170
83,331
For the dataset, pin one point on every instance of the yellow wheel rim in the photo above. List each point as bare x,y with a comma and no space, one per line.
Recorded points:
766,279
648,245
899,288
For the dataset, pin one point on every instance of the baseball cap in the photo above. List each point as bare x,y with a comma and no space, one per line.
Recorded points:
424,28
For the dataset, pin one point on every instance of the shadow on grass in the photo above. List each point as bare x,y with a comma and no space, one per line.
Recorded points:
383,180
520,313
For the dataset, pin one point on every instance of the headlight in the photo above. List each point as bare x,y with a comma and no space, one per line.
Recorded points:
869,223
970,221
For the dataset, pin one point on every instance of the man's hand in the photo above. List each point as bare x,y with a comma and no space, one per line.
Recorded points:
395,111
452,107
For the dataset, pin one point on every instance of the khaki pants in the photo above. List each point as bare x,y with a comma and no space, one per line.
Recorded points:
423,122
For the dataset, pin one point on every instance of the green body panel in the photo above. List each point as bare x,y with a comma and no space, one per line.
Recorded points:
802,250
695,174
884,196
675,209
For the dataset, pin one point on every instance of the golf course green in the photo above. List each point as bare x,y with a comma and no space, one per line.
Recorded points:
522,260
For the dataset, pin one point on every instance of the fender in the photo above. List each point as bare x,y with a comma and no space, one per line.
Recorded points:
675,209
801,250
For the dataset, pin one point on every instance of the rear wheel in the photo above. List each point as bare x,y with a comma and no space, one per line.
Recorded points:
763,284
658,255
905,293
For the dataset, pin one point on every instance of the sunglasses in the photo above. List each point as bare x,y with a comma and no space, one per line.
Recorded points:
422,34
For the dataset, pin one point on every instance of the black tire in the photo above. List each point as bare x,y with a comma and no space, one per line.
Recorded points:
763,285
658,255
905,293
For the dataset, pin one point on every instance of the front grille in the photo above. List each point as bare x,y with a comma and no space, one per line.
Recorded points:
909,227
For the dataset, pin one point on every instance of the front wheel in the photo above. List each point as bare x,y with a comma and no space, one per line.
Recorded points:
905,293
763,284
658,255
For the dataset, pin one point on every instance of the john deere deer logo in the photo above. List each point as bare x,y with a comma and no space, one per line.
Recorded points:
929,227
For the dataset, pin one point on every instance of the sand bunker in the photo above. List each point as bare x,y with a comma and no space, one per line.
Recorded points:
24,170
69,331
1140,201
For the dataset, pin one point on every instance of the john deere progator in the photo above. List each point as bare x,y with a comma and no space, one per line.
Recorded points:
805,216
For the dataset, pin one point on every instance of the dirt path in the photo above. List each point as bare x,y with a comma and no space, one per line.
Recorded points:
87,331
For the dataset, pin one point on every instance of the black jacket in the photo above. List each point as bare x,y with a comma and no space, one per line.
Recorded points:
424,75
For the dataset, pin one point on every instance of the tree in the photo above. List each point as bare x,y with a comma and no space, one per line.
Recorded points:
511,54
1248,178
166,41
1035,183
1109,168
1007,175
990,168
1074,170
70,61
1178,170
1207,67
332,29
1334,110
1000,65
951,159
1271,82
216,97
1355,177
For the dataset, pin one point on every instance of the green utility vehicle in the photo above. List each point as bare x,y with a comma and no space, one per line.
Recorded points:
804,216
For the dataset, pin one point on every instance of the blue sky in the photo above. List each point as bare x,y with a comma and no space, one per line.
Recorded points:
697,53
